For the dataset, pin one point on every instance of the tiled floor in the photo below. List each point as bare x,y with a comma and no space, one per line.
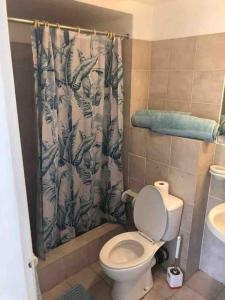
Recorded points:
199,287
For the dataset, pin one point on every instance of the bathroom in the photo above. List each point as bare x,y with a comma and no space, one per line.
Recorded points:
172,53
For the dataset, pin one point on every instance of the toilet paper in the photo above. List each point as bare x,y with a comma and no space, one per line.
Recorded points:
163,186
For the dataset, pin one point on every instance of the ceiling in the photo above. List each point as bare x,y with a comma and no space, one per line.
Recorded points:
67,12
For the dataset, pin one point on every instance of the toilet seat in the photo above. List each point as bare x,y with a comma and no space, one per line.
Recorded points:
128,250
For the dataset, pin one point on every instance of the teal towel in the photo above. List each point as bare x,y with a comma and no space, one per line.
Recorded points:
176,123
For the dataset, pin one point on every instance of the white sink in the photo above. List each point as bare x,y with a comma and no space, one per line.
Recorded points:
216,221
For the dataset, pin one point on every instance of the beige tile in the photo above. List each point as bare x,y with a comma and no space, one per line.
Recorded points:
209,111
58,291
206,155
75,261
217,188
137,141
161,286
183,52
220,155
153,295
156,171
179,86
160,54
127,53
186,294
177,106
52,275
158,84
182,185
98,270
205,285
86,277
210,52
136,168
51,257
156,104
141,54
185,154
185,243
101,291
135,186
221,295
186,219
158,147
140,85
208,87
136,105
73,245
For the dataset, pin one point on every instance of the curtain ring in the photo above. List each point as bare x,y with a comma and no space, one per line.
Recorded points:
46,23
36,23
78,29
113,35
94,32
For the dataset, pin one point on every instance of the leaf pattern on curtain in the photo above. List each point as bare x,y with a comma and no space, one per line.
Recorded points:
79,100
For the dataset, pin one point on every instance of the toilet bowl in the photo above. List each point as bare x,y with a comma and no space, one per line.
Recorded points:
128,257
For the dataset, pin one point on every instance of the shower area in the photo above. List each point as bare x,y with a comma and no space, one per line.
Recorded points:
69,92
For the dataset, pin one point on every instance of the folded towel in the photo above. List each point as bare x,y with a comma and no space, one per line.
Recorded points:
176,123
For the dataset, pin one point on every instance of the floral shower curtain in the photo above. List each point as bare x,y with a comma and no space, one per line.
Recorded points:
79,99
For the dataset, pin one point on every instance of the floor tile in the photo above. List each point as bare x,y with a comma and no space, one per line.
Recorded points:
221,295
85,277
205,285
101,291
56,292
153,295
160,284
185,293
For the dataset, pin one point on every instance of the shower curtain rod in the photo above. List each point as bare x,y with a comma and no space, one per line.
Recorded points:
84,30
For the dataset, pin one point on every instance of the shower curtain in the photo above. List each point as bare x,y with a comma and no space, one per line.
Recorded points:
79,100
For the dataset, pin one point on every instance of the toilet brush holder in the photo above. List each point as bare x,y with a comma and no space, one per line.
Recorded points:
174,273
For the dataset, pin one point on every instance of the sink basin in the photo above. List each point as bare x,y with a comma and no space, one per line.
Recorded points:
216,221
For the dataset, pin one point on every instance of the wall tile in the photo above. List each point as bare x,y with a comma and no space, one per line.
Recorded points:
182,185
141,54
179,86
177,106
206,155
208,87
185,154
136,168
156,104
186,219
160,55
127,53
183,52
156,171
208,111
158,84
139,90
212,243
158,147
210,52
217,188
135,186
214,265
137,141
220,155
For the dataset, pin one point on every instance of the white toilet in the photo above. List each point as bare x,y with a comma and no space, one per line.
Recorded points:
128,257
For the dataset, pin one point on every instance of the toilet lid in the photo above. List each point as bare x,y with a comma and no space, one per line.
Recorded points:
150,215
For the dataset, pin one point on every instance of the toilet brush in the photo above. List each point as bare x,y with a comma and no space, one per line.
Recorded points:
174,273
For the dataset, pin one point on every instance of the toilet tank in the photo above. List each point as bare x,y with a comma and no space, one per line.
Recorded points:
174,207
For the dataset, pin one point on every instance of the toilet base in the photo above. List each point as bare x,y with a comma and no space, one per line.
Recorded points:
133,289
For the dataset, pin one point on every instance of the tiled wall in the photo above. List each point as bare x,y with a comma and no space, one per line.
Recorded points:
213,250
185,75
